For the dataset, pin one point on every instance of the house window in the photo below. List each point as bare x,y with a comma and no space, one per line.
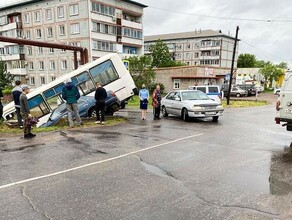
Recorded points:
178,56
40,50
29,50
64,64
27,34
50,32
75,28
74,9
49,14
43,80
62,30
52,65
38,33
41,65
30,65
37,16
187,56
188,46
51,50
26,18
176,83
60,12
196,54
53,78
32,81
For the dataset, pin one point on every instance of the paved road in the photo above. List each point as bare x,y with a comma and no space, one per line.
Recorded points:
238,168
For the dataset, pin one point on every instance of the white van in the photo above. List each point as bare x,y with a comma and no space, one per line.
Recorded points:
213,91
284,103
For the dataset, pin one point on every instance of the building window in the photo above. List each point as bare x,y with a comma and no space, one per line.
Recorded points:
40,50
104,28
64,64
75,28
38,33
49,14
196,54
60,11
103,45
133,33
103,9
41,65
52,65
50,32
43,80
74,9
29,50
188,46
176,83
51,50
178,56
30,65
2,51
187,56
26,18
62,30
178,47
32,81
53,78
27,34
37,16
63,51
130,50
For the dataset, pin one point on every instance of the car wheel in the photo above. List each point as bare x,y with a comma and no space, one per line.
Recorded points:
238,95
164,112
112,109
215,118
123,105
92,112
185,115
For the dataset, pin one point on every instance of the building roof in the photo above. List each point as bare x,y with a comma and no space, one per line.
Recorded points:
26,2
186,35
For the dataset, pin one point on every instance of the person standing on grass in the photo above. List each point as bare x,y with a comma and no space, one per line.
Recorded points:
156,96
100,96
16,92
144,97
71,94
25,112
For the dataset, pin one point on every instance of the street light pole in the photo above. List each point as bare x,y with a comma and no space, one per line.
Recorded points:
232,64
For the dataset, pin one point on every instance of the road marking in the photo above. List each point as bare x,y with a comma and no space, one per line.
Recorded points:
97,162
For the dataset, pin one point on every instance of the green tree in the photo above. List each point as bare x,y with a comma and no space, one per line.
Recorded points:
283,65
271,72
246,61
5,77
141,70
161,56
260,63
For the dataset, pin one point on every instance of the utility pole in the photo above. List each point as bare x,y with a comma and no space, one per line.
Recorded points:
232,64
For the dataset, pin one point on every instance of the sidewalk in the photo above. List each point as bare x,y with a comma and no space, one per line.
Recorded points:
269,97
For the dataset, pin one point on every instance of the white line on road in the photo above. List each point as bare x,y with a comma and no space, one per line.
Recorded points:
97,162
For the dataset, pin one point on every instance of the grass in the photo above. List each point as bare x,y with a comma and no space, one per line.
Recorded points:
62,125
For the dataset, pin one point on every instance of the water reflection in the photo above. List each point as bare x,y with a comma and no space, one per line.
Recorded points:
281,172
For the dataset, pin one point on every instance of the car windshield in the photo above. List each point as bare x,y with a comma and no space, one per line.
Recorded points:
194,95
58,112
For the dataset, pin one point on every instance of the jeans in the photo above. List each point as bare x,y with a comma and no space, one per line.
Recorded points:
26,127
19,118
100,110
73,108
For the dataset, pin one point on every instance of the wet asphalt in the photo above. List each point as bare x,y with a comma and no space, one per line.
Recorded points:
237,168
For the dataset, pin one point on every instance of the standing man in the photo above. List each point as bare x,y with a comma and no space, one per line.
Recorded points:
71,94
156,96
1,106
25,112
100,96
16,92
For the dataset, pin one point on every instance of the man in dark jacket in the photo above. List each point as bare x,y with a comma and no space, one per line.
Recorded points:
100,96
71,94
16,92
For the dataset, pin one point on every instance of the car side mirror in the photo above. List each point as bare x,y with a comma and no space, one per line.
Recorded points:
177,98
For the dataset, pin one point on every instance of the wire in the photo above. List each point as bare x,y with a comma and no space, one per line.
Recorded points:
225,18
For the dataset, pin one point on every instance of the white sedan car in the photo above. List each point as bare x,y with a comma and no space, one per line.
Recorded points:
190,103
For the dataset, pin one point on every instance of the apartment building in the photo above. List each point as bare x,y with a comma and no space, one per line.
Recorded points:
101,26
200,47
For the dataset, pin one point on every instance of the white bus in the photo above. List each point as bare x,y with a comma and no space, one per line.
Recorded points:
109,70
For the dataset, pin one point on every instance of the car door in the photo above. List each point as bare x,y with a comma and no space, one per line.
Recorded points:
177,104
167,103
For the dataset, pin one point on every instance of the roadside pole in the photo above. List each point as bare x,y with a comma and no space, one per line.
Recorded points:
232,64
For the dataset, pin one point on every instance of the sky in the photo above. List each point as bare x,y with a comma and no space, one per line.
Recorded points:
265,25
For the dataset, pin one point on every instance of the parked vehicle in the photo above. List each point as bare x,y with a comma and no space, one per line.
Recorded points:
238,92
86,107
284,103
259,88
191,104
277,91
250,88
213,91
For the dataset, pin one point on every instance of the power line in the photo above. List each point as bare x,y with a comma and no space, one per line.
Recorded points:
225,18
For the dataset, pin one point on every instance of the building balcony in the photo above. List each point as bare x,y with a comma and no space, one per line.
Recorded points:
11,57
209,57
18,72
202,48
132,24
11,26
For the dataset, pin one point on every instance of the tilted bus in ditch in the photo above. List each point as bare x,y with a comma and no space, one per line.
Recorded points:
109,70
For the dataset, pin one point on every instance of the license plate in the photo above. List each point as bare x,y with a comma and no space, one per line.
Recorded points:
210,113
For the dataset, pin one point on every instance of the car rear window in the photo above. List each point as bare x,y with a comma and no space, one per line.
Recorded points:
213,89
202,89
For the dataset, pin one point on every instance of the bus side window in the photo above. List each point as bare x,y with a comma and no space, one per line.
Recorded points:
85,84
38,107
104,73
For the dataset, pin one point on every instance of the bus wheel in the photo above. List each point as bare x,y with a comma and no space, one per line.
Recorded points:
123,105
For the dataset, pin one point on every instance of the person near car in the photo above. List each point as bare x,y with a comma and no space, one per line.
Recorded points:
16,92
1,106
156,102
71,94
144,97
100,96
25,112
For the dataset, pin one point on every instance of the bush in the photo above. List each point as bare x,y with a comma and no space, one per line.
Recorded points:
153,86
7,90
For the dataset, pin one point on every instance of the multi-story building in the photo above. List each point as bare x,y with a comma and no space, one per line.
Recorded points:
101,26
200,47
